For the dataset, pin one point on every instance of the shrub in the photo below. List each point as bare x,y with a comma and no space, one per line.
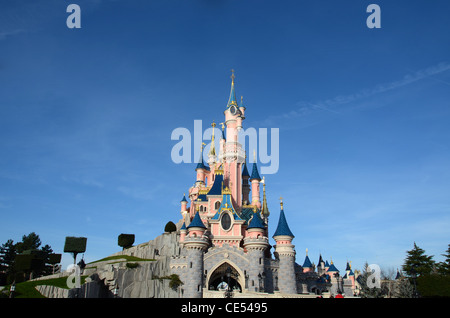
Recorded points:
75,245
132,265
170,227
125,240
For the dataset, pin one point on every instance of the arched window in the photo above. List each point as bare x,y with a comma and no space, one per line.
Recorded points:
217,205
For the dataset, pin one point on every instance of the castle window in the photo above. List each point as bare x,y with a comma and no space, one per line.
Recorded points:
217,205
225,221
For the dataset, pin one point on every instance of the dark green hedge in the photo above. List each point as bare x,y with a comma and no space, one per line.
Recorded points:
75,244
434,285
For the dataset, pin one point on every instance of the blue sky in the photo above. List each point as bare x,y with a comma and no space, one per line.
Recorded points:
86,117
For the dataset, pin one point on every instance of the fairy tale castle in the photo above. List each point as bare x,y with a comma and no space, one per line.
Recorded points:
223,233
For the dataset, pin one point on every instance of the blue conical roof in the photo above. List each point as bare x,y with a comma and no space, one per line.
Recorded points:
255,174
245,171
332,268
255,222
320,259
184,198
201,165
196,222
307,262
283,227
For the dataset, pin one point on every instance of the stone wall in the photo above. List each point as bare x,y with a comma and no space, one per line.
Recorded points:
167,244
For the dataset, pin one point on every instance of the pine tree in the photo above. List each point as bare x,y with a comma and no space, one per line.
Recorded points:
417,263
444,267
7,254
29,242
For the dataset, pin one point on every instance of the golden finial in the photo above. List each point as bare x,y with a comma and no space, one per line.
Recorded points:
223,126
254,155
213,125
331,260
226,191
232,76
306,251
281,202
203,145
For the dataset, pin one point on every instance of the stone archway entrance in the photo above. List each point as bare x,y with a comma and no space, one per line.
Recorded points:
217,279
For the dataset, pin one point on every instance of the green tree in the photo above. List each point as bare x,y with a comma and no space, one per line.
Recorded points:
8,253
417,263
29,242
444,267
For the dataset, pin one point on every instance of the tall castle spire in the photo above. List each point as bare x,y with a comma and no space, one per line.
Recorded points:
232,99
212,149
265,209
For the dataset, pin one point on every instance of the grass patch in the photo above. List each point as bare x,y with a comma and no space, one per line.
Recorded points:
27,289
118,257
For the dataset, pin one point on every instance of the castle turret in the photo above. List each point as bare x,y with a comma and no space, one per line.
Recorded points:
256,243
201,169
183,203
255,179
286,255
195,243
307,265
321,266
245,184
183,232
